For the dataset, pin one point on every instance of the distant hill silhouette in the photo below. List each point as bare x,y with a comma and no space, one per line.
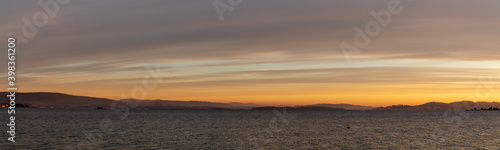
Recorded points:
170,104
462,105
345,106
56,100
298,108
48,99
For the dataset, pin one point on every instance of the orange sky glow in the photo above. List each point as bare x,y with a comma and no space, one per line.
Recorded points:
285,53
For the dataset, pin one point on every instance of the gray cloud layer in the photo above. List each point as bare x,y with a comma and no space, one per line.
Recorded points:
106,36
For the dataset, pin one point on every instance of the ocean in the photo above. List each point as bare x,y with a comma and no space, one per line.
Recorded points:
251,129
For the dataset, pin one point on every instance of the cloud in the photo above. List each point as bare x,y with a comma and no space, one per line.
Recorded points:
150,30
289,38
335,76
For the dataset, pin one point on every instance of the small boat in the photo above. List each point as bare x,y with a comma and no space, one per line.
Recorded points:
348,126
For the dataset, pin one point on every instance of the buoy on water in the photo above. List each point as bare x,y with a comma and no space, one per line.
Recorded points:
348,126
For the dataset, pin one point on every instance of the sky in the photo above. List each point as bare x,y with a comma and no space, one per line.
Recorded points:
269,52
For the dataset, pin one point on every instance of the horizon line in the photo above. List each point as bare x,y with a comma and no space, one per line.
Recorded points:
256,103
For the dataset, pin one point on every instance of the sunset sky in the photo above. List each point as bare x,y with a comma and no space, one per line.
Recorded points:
280,52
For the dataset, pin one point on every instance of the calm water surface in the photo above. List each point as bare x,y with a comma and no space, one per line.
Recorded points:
245,129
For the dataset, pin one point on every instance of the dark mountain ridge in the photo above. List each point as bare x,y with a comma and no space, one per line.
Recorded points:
50,99
461,105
